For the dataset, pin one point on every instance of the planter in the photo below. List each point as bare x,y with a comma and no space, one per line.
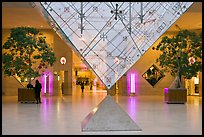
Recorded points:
26,95
175,95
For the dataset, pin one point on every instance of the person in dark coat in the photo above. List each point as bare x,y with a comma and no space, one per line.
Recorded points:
38,88
91,85
30,85
82,86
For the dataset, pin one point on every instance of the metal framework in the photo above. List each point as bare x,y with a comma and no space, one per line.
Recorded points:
111,36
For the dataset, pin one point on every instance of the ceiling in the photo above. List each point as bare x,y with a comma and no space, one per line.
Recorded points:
16,14
24,13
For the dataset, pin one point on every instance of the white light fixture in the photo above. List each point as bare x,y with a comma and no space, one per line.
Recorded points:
191,60
132,86
45,76
116,60
196,80
63,60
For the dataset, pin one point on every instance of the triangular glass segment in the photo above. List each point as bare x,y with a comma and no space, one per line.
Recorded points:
111,36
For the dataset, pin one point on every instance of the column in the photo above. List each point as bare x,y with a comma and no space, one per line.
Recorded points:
67,83
55,85
122,86
200,84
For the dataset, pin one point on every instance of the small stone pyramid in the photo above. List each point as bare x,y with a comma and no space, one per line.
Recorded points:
109,116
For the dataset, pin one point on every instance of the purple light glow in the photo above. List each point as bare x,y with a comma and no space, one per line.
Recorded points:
132,82
95,81
43,82
132,103
165,90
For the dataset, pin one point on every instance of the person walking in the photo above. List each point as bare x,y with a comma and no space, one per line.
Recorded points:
82,86
38,88
91,85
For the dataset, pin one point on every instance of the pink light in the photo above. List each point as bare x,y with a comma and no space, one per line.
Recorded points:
84,69
44,82
95,80
132,83
116,60
132,104
83,66
166,90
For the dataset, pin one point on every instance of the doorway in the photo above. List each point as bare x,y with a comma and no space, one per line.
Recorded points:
192,85
61,82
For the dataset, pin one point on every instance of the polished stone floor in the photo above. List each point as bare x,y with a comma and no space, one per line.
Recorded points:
62,115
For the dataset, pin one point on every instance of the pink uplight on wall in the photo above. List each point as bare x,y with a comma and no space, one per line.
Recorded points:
47,82
132,82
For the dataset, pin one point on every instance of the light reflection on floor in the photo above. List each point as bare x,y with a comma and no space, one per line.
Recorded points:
62,115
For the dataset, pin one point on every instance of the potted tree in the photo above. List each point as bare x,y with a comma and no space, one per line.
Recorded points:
181,55
25,54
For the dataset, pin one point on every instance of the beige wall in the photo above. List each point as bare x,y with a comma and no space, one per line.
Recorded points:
60,49
63,50
141,66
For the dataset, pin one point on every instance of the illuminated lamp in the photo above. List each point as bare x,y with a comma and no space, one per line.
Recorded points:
116,60
63,60
191,60
196,80
45,83
132,83
55,72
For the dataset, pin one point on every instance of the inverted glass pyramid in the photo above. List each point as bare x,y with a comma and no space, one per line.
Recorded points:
111,36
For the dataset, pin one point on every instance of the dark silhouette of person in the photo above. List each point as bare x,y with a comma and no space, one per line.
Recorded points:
62,87
30,85
38,88
91,85
82,86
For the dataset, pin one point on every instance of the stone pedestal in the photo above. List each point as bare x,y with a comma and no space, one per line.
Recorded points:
175,95
26,95
108,116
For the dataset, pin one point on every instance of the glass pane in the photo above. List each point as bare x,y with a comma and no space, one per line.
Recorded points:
112,36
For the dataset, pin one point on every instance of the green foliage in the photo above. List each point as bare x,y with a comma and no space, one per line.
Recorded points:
23,49
176,52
